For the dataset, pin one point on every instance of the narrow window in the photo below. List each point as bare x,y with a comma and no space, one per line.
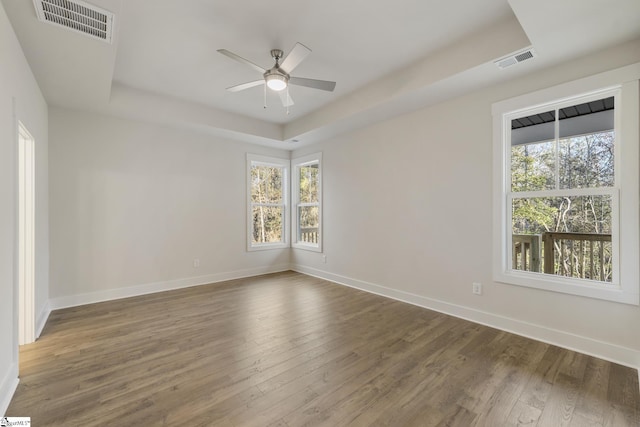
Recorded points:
307,199
267,202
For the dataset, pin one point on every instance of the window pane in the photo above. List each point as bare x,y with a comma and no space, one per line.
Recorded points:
567,236
308,223
534,128
309,183
267,224
586,161
533,166
586,140
266,184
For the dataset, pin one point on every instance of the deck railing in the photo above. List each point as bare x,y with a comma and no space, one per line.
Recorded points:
581,255
526,252
308,235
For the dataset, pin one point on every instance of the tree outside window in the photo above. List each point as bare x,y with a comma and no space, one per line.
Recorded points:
267,202
307,197
562,180
566,187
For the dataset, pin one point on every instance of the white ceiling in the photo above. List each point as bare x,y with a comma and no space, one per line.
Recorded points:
386,57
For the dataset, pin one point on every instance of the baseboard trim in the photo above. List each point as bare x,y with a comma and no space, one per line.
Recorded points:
8,387
603,350
150,288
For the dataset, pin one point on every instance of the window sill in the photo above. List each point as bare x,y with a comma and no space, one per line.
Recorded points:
307,247
580,287
267,246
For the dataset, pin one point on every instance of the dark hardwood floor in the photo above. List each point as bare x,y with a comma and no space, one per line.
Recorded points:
291,350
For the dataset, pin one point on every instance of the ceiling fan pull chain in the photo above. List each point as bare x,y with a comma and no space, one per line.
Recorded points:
288,100
265,97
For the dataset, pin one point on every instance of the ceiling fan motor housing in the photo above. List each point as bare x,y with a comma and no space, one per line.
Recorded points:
275,77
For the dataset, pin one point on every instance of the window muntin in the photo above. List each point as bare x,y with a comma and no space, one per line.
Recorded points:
267,205
610,183
307,196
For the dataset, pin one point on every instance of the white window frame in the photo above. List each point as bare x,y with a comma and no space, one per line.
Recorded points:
624,287
257,160
296,164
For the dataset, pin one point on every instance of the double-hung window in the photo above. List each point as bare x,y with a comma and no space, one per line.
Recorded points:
307,199
566,188
268,213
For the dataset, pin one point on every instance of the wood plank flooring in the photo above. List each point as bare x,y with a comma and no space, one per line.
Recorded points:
291,350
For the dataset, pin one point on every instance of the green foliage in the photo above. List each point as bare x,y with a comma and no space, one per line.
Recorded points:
309,183
587,161
533,215
308,211
582,162
533,167
573,163
267,200
266,184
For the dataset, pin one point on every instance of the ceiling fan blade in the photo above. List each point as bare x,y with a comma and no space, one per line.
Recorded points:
243,86
313,83
295,57
232,55
285,98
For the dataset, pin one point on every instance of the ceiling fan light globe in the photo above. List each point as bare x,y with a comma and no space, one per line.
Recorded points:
276,82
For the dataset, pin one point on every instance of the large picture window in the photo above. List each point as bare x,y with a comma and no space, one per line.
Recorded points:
268,182
307,197
567,192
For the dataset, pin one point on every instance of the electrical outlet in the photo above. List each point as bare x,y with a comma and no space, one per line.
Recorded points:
196,262
324,259
477,288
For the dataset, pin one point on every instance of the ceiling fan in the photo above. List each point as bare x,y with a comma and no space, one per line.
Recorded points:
278,77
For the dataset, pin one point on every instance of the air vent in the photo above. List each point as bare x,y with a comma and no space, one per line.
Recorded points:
515,58
77,16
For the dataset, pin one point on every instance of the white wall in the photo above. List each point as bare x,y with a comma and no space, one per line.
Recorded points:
419,175
18,87
133,204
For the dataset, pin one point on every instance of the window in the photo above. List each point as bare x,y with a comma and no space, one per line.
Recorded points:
307,202
567,188
268,216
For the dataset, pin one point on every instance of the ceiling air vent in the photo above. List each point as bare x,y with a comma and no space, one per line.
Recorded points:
515,58
77,16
